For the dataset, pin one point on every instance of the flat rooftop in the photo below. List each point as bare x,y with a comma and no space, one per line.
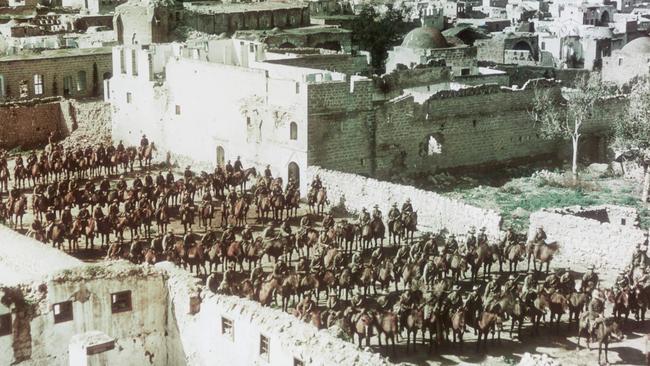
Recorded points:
58,53
23,259
210,7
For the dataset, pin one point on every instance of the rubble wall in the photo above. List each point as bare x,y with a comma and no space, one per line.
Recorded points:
435,212
289,338
28,124
583,241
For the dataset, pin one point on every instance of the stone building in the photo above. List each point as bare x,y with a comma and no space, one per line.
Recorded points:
509,48
628,63
93,6
74,72
326,37
426,44
268,118
146,21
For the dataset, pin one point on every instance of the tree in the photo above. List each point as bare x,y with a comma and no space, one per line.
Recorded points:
376,33
562,117
632,130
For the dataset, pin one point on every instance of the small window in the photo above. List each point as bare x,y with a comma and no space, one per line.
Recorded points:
81,81
248,121
297,88
251,48
134,63
178,110
293,131
474,122
620,61
5,324
129,97
121,302
62,312
464,72
264,348
543,45
2,86
298,362
38,84
67,85
623,221
227,328
122,61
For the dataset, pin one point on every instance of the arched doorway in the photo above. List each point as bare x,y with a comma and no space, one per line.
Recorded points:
604,19
294,172
329,45
221,156
119,30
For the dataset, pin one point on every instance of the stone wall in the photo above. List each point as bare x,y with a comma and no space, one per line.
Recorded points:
289,338
28,124
435,212
347,64
585,238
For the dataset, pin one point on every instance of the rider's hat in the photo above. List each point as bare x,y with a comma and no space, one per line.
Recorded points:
394,204
408,200
482,229
591,267
376,206
472,230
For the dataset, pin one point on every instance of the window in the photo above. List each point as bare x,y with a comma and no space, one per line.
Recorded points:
298,362
5,324
178,110
134,63
543,45
129,97
122,62
38,84
620,61
67,85
81,81
264,348
121,302
227,328
623,222
297,88
251,48
62,312
293,131
2,86
464,72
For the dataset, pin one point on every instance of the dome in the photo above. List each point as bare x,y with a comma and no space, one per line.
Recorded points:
424,38
639,46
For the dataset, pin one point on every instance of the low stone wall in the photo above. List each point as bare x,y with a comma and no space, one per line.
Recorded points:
353,192
289,339
608,244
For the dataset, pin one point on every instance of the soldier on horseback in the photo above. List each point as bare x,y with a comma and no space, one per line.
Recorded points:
232,198
229,168
510,286
393,214
567,283
622,283
225,286
121,184
470,241
451,245
257,275
160,179
105,184
540,236
168,240
280,269
238,167
552,281
247,234
376,213
407,208
316,184
188,239
144,142
268,232
328,220
66,218
207,197
84,215
228,235
169,178
98,213
285,229
364,217
137,183
595,314
482,238
589,280
491,290
305,306
454,298
639,257
50,217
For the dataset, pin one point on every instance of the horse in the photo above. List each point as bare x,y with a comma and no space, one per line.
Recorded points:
414,323
57,235
395,231
292,201
514,254
187,217
206,214
557,304
263,206
386,323
378,231
321,200
277,206
576,302
410,223
604,332
4,178
362,325
162,218
240,178
345,235
146,154
17,211
240,211
622,303
487,322
543,253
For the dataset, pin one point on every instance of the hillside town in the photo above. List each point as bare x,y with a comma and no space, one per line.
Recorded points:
324,182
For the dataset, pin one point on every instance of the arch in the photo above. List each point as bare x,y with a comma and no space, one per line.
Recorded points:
522,46
221,156
119,28
287,45
81,81
293,131
329,45
294,172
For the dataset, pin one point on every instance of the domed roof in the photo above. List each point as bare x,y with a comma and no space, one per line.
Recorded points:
639,46
424,38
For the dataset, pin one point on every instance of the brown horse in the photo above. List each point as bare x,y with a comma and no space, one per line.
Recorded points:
292,203
146,155
57,235
542,253
487,323
362,325
410,223
558,304
386,323
241,210
576,302
514,254
4,178
205,215
277,206
235,254
17,211
240,178
414,323
604,332
268,290
345,235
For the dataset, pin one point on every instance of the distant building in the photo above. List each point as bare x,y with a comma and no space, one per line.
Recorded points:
632,61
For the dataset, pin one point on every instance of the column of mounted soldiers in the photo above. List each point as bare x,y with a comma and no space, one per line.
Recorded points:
419,284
